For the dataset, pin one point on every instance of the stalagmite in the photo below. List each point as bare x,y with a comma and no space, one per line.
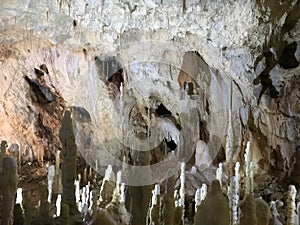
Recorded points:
248,173
65,215
51,173
214,209
69,152
263,212
3,147
235,194
18,215
77,193
19,198
140,195
182,190
107,187
275,214
8,188
291,205
102,218
248,211
155,206
219,173
58,205
116,193
197,198
200,195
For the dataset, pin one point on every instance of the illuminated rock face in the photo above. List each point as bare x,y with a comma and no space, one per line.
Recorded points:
79,52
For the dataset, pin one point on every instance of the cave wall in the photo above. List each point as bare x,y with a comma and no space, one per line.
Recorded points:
237,63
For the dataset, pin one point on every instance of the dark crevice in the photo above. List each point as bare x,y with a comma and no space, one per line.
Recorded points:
117,78
220,157
240,90
171,145
204,133
162,111
110,71
264,77
287,59
207,107
42,93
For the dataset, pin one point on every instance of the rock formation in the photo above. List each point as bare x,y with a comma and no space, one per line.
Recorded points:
153,76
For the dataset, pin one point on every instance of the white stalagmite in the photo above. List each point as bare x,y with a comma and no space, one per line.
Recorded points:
203,192
84,200
235,194
275,213
122,197
117,194
219,173
19,198
182,189
51,173
229,140
155,193
77,193
291,205
108,173
197,198
58,205
176,198
91,202
247,170
200,195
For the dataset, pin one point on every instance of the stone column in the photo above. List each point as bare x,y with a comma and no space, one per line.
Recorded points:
69,153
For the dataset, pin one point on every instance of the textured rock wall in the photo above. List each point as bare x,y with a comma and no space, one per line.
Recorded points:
240,46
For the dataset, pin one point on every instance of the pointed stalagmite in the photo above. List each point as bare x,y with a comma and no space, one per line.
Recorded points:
140,195
248,211
214,209
8,188
168,210
69,153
